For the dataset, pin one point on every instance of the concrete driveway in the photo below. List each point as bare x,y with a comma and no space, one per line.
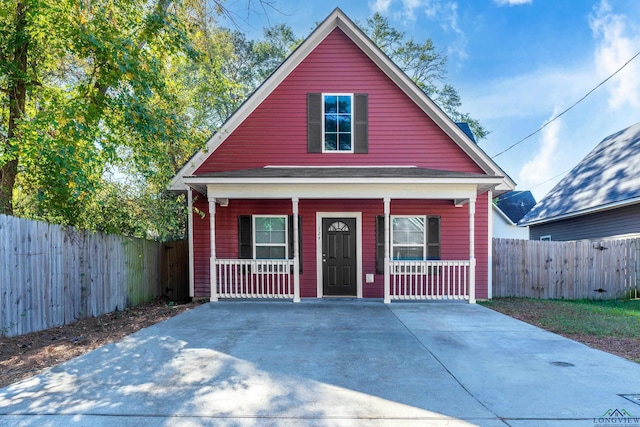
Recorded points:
332,363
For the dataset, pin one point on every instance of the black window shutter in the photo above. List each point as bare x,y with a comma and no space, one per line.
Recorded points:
361,123
380,245
299,239
433,237
314,123
245,237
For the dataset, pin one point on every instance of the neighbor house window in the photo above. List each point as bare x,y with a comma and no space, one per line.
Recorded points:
546,238
337,122
270,237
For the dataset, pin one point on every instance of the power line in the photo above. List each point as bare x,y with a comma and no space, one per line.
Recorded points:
538,184
567,109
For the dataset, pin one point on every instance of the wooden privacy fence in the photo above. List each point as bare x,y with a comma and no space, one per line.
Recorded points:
52,275
603,269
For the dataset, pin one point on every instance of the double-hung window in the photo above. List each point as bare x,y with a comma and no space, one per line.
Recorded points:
337,123
270,237
412,238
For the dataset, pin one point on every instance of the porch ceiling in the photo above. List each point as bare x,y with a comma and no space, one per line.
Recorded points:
343,183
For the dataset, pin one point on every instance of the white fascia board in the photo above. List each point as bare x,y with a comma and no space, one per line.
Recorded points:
362,190
588,211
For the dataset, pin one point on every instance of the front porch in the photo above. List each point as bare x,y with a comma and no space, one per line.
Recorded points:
402,272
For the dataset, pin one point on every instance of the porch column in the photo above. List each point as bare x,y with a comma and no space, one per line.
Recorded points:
490,247
296,252
190,237
387,277
472,254
212,261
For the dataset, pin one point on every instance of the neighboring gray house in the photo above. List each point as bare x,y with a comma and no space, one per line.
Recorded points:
508,209
599,198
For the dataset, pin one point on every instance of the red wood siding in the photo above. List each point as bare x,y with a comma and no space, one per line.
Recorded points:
400,133
454,235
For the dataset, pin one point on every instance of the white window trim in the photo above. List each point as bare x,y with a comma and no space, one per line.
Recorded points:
286,235
424,237
546,238
352,125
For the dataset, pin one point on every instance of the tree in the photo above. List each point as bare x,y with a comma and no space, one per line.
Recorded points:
93,87
424,65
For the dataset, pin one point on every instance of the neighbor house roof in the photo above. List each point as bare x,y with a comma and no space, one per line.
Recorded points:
515,204
337,19
608,177
464,126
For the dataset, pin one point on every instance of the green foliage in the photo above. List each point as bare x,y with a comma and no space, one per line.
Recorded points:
104,92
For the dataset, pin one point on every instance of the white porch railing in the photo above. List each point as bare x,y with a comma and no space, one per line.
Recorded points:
254,278
425,280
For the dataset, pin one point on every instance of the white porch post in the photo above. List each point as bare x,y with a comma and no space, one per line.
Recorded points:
387,277
490,247
190,237
296,252
212,261
472,255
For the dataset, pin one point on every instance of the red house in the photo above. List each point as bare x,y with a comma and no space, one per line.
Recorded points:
340,177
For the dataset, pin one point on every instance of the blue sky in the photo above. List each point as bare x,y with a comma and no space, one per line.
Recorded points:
516,64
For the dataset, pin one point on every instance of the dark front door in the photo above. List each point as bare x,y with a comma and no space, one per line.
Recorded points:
339,256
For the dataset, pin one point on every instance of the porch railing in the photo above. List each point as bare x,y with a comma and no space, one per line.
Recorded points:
426,280
254,278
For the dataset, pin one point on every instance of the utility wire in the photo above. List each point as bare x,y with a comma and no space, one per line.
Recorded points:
537,185
567,109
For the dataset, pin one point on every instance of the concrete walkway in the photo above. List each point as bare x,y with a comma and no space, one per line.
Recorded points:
332,363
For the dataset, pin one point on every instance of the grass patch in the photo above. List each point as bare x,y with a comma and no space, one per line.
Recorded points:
604,318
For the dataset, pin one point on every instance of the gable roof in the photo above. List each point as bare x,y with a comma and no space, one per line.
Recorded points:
515,204
608,177
337,19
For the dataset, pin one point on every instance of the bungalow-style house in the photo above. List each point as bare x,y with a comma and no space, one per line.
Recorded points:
508,209
598,199
339,177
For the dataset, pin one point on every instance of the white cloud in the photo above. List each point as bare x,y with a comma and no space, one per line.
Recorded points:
380,6
541,166
512,2
616,45
409,7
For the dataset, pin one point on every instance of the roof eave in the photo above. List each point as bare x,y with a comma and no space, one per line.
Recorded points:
595,209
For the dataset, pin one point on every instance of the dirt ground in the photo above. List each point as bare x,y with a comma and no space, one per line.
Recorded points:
27,355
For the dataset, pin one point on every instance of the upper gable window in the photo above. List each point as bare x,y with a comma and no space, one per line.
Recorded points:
337,123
